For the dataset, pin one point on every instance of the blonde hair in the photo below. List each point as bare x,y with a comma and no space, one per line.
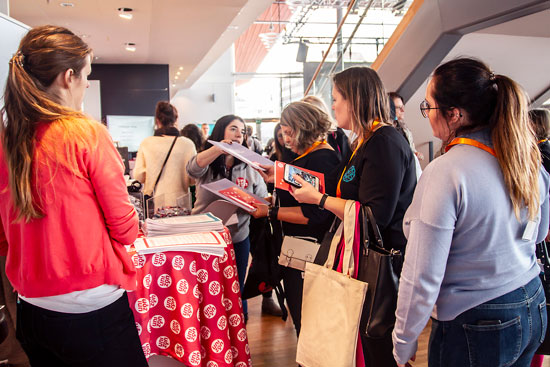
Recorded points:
44,53
308,122
500,104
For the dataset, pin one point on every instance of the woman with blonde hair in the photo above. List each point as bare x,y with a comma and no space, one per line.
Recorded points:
476,215
304,128
380,173
65,216
336,137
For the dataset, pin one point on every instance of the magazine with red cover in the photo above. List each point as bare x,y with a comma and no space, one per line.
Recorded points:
285,171
236,195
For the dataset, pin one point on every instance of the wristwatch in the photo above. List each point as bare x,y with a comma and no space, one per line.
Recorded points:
322,202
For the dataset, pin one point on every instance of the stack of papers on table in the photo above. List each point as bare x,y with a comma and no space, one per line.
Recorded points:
205,222
211,243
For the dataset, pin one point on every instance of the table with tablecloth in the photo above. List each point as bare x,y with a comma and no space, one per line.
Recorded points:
188,306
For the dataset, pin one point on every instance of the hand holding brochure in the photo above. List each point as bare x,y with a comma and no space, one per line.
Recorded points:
229,191
243,153
284,173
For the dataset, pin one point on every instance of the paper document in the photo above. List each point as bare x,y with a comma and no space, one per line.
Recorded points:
236,195
183,224
202,242
244,154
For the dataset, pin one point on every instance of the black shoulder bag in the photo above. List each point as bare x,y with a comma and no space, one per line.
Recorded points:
378,267
148,197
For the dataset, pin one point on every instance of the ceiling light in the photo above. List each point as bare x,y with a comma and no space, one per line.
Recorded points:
125,13
178,73
181,67
130,46
176,77
66,5
235,27
173,85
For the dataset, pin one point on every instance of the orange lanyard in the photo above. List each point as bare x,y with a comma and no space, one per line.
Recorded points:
338,187
542,141
471,142
309,150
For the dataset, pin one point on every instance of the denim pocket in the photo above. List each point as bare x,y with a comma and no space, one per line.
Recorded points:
544,319
496,345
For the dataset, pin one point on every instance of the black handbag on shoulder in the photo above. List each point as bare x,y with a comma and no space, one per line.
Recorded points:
542,257
379,268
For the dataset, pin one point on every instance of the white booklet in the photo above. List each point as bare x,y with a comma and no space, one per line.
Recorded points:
236,195
244,154
182,224
211,243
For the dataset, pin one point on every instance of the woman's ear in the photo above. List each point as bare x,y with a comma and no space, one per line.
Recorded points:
68,77
454,116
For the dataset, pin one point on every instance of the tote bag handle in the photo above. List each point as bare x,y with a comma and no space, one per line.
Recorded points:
347,228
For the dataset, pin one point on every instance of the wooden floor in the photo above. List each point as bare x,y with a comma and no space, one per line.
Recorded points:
273,341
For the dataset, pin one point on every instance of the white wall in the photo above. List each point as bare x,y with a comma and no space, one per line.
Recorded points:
12,31
92,100
211,97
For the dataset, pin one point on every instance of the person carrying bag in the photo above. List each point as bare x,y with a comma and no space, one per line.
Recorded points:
332,303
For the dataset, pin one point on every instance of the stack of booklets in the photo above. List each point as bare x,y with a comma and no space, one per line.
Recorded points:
211,243
194,233
183,224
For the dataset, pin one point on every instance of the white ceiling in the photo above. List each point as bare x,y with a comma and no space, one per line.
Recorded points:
181,33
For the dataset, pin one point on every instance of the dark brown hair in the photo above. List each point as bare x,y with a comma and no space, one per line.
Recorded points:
193,132
363,89
43,54
166,114
498,103
540,119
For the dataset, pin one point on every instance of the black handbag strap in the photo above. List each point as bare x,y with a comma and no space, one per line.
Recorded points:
164,164
370,221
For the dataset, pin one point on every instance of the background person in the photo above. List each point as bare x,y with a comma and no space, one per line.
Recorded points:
174,180
192,132
64,212
336,137
399,122
540,120
380,172
212,164
471,249
304,129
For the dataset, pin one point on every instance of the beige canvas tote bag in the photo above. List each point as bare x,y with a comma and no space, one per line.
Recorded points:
332,305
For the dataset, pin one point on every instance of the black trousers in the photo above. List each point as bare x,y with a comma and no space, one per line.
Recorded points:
102,338
294,288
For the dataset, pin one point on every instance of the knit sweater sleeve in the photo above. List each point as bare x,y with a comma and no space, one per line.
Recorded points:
106,172
194,169
429,225
139,168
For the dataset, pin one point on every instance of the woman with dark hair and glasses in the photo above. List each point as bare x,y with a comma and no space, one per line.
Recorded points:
476,215
213,164
64,211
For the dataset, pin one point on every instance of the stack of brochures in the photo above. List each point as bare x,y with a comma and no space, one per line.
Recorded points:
211,243
236,195
205,222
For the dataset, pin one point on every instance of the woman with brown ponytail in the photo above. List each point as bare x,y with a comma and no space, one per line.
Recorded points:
476,215
64,211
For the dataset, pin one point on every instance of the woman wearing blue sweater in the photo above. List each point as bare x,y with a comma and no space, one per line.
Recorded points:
476,215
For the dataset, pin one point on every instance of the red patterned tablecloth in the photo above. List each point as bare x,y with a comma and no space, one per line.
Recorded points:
188,306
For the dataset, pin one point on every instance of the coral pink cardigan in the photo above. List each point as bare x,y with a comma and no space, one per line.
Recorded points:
78,244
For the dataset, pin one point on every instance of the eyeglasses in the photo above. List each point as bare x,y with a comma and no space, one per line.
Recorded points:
425,107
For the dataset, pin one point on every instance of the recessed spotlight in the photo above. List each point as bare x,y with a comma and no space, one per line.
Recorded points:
176,77
234,27
181,67
130,46
178,73
85,36
125,13
173,85
66,5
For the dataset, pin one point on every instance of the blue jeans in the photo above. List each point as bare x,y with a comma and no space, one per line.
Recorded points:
242,250
505,331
